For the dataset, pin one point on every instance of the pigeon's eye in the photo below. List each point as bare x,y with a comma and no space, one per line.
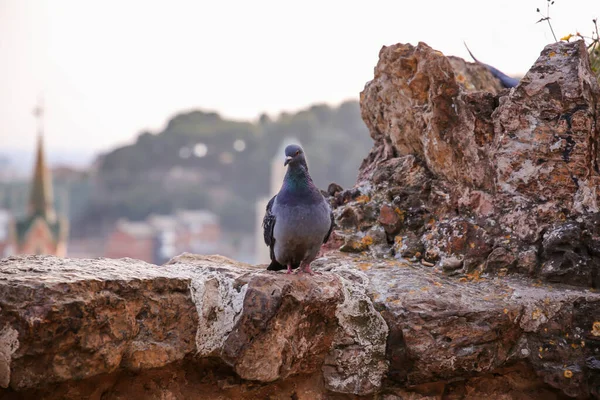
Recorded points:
297,152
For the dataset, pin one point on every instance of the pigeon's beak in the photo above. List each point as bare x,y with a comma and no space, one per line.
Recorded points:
287,160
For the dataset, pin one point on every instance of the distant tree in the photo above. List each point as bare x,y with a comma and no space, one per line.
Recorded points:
194,163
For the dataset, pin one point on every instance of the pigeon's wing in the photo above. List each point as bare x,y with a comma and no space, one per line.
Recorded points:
330,227
268,224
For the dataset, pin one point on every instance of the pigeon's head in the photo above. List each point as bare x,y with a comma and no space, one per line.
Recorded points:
294,155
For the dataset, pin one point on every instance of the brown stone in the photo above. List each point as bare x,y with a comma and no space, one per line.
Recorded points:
391,219
546,132
409,78
500,259
453,151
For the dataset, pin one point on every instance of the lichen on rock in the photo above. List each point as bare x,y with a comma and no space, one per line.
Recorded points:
356,362
481,174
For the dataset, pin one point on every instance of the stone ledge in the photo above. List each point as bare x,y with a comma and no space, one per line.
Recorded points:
361,327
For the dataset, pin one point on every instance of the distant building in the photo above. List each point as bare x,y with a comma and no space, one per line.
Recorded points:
41,230
6,234
161,237
131,239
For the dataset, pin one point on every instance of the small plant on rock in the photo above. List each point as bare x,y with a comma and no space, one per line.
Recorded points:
592,42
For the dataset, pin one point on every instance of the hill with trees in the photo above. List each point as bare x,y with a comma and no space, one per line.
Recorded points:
202,160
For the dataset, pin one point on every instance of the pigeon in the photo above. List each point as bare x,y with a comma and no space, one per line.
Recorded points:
298,219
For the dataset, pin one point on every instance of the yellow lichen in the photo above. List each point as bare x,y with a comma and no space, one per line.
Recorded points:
536,313
367,240
400,213
365,266
475,276
362,199
568,373
596,328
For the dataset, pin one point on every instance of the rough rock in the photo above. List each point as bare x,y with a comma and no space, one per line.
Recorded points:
488,176
391,219
68,320
411,78
207,326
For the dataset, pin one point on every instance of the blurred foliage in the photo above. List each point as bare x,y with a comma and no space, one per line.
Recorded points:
201,160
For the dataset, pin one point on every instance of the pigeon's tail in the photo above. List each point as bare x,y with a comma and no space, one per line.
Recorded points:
275,266
507,81
471,54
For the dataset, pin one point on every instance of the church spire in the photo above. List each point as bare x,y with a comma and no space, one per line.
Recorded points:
41,201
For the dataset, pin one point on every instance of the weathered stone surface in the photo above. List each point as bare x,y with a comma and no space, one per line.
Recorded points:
546,132
74,321
66,320
356,363
408,246
473,76
411,78
500,260
442,328
480,174
114,329
391,219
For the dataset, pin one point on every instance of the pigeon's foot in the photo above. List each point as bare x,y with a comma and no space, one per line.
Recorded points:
289,269
306,268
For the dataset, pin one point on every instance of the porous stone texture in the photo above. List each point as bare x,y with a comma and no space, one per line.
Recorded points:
465,176
208,327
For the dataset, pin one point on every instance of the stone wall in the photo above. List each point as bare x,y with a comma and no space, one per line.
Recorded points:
208,327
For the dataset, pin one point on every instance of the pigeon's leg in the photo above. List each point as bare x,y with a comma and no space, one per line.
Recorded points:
289,269
305,267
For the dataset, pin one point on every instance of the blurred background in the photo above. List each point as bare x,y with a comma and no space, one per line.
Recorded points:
147,128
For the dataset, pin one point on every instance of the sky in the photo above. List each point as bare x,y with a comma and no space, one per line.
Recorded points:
108,70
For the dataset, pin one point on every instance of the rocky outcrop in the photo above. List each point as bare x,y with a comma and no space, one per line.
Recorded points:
207,326
465,177
470,267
